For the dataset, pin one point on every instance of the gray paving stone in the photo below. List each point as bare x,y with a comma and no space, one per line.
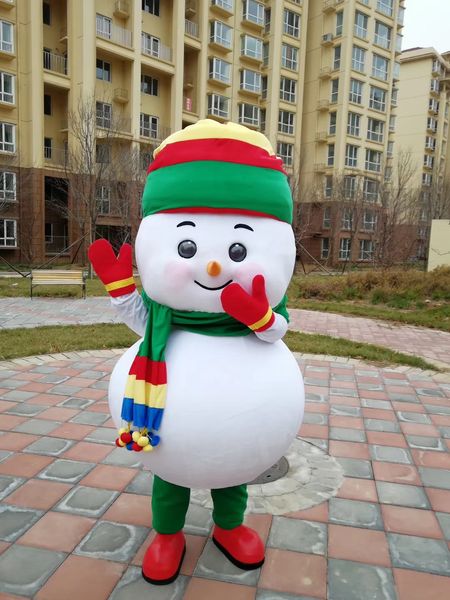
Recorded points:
390,454
141,484
439,478
87,501
122,458
412,417
410,398
213,564
316,381
356,581
434,392
36,566
80,403
14,521
420,554
435,409
372,387
426,443
112,541
322,444
356,467
372,403
90,418
100,385
49,446
11,384
18,395
315,419
345,411
402,495
53,377
8,484
198,520
45,369
355,513
26,410
347,435
444,520
133,586
381,425
445,432
269,595
104,435
4,454
297,535
336,391
65,390
37,426
67,471
316,398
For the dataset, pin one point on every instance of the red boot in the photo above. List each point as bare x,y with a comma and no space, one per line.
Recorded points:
241,545
162,561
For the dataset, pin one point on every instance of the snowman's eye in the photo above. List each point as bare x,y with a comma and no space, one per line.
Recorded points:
187,249
237,252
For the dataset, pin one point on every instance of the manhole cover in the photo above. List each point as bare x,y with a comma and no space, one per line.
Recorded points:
276,471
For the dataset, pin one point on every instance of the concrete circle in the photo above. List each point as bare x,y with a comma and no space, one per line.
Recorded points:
312,478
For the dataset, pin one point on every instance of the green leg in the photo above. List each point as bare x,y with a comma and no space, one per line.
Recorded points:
169,506
229,506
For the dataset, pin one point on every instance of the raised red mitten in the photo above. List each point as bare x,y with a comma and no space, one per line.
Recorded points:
116,273
163,558
251,309
241,545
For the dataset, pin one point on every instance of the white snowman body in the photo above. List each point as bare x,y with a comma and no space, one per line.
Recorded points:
234,404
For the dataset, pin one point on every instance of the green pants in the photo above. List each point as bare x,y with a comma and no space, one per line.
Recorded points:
170,503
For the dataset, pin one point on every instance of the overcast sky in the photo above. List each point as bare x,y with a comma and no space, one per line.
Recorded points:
427,23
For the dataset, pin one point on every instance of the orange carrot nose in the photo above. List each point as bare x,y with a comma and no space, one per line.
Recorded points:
213,268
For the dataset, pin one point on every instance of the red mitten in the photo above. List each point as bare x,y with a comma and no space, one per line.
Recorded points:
251,309
116,273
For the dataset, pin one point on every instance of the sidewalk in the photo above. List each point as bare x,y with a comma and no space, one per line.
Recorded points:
430,344
75,515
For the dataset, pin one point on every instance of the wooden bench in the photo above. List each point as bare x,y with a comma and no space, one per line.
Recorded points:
57,277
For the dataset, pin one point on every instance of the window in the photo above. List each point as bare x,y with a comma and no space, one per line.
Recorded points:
383,35
103,70
7,186
351,155
337,58
428,161
264,80
265,48
334,90
151,6
46,13
332,124
251,47
330,155
386,7
373,160
392,122
366,249
291,25
370,189
218,105
369,220
6,37
103,153
149,126
353,123
377,99
430,143
254,12
288,90
226,4
149,85
433,105
286,152
289,57
104,26
345,245
47,104
48,233
8,233
432,124
104,114
326,221
251,81
219,70
249,114
151,45
356,88
262,119
394,96
325,248
328,194
267,17
427,179
221,34
286,122
7,85
358,59
7,137
339,23
47,148
103,197
380,67
361,21
434,85
375,130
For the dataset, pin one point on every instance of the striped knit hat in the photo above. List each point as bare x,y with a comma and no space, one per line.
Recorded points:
210,167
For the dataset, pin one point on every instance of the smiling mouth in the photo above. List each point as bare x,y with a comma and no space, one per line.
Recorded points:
205,287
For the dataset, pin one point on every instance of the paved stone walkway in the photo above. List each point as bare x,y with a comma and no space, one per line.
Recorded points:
75,515
430,344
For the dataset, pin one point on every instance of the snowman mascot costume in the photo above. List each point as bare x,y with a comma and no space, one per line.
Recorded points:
210,396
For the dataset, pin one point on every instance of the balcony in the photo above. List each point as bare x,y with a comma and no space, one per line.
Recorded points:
7,4
63,34
156,50
121,95
222,7
321,136
155,134
325,73
320,168
56,244
331,5
114,33
121,9
191,28
323,105
188,105
55,62
57,157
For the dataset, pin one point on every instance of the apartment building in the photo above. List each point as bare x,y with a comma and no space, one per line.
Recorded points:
148,67
349,122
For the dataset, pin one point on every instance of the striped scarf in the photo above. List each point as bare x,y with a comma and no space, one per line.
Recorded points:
146,388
